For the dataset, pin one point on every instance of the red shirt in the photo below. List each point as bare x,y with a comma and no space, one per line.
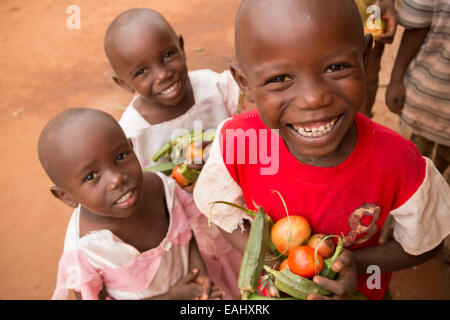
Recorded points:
353,198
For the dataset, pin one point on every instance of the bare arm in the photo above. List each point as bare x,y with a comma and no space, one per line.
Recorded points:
409,47
390,257
238,239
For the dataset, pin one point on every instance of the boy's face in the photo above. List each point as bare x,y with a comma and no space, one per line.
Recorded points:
100,171
306,76
152,62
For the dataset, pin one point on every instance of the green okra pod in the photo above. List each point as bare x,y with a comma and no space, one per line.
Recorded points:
253,258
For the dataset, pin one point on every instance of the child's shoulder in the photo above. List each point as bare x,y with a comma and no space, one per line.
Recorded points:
387,143
245,120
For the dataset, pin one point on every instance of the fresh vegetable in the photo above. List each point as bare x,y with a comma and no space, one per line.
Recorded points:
327,271
183,175
284,264
295,285
165,149
326,247
165,167
290,232
175,148
375,28
253,258
302,262
255,296
194,152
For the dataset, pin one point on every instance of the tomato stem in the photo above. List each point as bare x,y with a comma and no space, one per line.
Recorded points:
289,222
249,212
328,263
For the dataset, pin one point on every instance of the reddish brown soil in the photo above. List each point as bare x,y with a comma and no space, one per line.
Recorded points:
47,68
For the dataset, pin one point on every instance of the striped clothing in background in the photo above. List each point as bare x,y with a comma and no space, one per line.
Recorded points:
427,107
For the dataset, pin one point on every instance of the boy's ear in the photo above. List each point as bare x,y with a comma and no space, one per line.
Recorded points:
64,196
123,84
368,45
131,143
242,82
181,42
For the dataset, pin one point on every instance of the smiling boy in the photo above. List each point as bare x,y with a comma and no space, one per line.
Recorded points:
148,58
303,64
149,61
128,237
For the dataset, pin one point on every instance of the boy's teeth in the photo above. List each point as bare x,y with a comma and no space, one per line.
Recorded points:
315,131
171,89
125,197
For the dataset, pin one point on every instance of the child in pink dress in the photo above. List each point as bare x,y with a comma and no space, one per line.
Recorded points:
148,59
129,237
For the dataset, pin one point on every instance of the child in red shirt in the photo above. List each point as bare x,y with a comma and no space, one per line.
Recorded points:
304,67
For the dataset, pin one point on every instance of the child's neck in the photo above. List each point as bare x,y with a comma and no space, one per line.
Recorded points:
156,113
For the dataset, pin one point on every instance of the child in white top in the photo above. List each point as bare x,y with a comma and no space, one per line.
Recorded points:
148,59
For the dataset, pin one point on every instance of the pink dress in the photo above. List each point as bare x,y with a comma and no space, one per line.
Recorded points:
100,259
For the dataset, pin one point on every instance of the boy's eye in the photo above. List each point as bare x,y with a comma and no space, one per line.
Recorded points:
278,79
89,177
168,54
122,156
336,67
139,72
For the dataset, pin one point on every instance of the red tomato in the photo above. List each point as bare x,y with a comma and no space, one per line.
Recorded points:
298,228
179,178
326,248
284,264
301,262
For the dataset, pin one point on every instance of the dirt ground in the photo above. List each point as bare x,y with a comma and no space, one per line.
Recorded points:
47,67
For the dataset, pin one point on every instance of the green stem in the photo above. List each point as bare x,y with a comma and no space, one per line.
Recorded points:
327,271
249,212
189,174
338,250
162,151
289,222
273,272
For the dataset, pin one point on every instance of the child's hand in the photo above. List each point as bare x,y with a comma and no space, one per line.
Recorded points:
395,96
388,14
195,287
209,291
346,285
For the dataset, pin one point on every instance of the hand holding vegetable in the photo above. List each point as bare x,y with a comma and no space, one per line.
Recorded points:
186,154
388,14
345,285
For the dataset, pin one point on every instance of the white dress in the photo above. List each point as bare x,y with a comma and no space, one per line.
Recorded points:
216,98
